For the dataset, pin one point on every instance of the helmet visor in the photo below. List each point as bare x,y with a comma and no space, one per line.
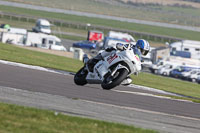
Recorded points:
144,52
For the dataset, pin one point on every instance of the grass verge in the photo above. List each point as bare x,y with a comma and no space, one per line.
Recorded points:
180,14
20,119
71,37
168,84
109,23
16,54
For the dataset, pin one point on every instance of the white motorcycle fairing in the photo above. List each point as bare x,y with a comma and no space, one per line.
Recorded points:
113,62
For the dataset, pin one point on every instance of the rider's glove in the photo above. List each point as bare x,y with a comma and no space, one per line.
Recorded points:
110,49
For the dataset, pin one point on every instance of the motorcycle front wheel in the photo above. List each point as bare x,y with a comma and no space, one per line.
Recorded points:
111,82
80,77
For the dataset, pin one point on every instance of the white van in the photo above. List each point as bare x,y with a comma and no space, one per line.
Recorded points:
154,67
44,41
111,42
15,36
43,26
193,47
165,70
174,60
185,75
120,35
193,77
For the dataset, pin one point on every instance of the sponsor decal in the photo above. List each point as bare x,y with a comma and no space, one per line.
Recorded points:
137,57
111,58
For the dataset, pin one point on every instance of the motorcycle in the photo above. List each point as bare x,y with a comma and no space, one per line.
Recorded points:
111,71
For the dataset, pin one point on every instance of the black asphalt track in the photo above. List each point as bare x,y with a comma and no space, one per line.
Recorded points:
57,84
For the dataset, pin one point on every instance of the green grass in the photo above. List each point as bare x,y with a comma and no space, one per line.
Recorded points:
20,119
168,14
16,54
168,84
70,37
109,23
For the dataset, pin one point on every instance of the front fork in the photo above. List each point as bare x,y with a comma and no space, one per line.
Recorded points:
111,74
119,66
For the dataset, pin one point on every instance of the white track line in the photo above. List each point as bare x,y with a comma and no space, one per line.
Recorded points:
144,111
34,67
151,95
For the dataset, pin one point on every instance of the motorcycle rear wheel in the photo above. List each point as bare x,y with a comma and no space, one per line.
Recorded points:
121,75
80,77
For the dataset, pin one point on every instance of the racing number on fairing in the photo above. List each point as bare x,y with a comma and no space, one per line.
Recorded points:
111,58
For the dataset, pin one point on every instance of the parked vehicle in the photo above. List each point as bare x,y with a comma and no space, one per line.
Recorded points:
44,41
19,31
198,79
85,45
174,60
193,77
43,26
120,35
111,71
57,46
111,42
14,36
193,47
146,62
155,67
185,75
178,71
165,70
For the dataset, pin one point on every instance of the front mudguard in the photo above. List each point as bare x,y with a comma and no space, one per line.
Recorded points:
119,66
116,80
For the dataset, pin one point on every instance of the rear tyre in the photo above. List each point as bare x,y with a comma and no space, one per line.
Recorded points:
80,77
119,76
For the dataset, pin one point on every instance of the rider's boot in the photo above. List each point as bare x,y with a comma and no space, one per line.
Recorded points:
126,81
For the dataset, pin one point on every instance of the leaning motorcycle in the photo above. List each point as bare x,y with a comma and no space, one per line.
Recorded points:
111,71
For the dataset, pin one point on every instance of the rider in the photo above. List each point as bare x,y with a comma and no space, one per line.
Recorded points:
141,47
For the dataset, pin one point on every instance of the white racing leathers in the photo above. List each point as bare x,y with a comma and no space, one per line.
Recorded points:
111,71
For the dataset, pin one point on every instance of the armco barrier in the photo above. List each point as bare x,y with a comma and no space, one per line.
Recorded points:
62,23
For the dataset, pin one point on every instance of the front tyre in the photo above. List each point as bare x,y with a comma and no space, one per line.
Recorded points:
111,82
80,77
